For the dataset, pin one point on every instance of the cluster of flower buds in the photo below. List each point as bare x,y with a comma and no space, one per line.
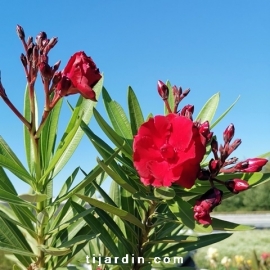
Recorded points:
219,164
36,56
79,76
187,111
178,94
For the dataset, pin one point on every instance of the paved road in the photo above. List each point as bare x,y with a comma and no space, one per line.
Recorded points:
260,221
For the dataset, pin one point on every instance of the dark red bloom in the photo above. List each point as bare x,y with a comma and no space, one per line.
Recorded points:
236,185
207,202
79,76
228,133
251,165
168,150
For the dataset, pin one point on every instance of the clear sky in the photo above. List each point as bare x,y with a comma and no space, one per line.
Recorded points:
208,46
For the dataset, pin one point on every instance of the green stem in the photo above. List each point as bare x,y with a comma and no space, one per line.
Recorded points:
144,238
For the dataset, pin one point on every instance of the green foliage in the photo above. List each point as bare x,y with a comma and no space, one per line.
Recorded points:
131,220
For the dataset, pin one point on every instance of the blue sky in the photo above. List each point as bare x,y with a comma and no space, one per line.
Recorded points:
208,46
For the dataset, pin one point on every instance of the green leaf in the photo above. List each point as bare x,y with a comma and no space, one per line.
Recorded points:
164,193
222,225
33,198
209,109
88,179
5,182
79,239
11,198
116,177
65,188
135,112
84,107
49,134
224,114
12,238
98,228
63,146
29,149
184,213
101,145
54,251
113,210
16,223
14,250
116,230
19,171
117,116
203,241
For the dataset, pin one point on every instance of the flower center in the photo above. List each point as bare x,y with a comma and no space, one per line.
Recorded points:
167,151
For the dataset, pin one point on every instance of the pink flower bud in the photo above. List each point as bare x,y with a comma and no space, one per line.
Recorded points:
236,185
251,165
163,90
205,204
228,133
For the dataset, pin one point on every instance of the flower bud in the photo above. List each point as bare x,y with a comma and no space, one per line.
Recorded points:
214,145
57,77
234,145
29,41
45,70
163,90
20,32
214,166
40,37
236,185
251,165
205,204
56,66
185,93
24,60
176,93
204,174
187,111
204,129
228,133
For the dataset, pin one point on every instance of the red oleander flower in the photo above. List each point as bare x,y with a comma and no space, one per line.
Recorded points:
207,202
168,150
79,76
251,165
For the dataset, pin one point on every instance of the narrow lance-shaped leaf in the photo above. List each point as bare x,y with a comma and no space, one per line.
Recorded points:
29,149
209,109
224,114
98,228
135,112
85,108
113,210
118,117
